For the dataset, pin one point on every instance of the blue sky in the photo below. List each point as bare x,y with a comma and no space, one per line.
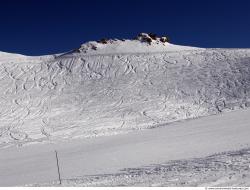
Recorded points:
36,27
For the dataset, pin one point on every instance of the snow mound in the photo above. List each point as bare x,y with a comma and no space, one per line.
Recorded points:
18,58
143,43
8,57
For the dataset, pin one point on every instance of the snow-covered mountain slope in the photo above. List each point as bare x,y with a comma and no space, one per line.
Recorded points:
117,86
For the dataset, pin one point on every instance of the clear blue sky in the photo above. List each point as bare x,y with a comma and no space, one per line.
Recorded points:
36,27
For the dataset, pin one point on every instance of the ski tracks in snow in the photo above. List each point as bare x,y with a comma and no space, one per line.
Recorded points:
94,95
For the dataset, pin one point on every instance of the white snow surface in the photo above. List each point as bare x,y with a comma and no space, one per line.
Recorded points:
18,58
130,46
178,154
82,94
95,103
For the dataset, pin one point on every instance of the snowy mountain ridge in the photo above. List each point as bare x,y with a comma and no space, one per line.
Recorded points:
143,43
117,86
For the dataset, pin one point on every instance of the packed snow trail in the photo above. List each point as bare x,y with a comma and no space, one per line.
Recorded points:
115,88
197,138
